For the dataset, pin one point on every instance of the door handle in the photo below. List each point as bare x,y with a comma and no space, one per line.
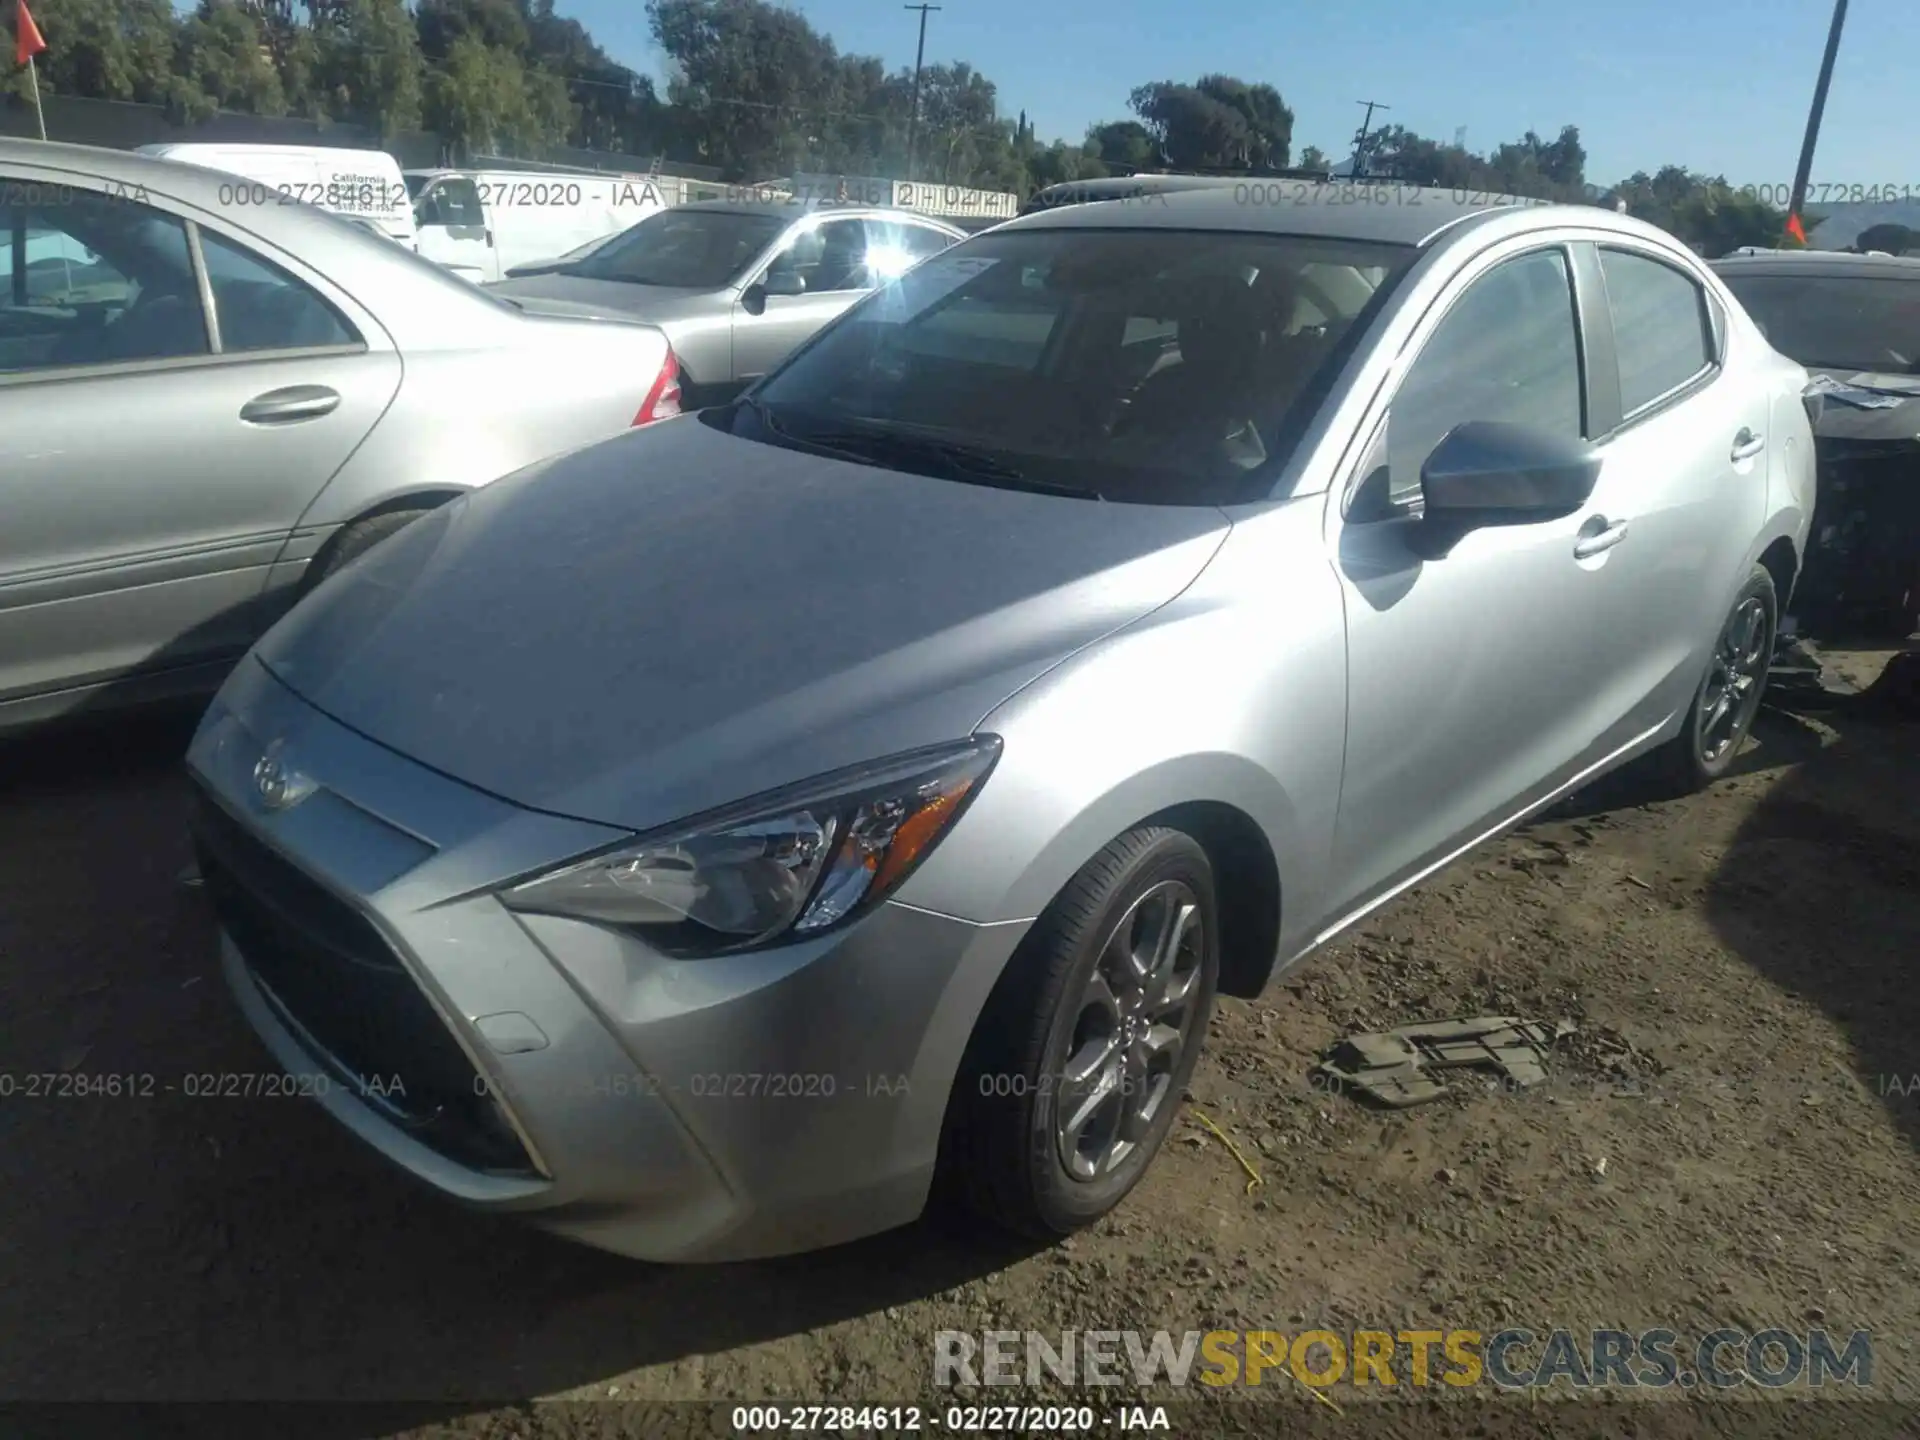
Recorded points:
1746,444
1597,537
295,402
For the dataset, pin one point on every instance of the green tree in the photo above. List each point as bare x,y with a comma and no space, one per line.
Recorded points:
1268,134
1191,128
758,82
484,100
101,49
226,63
367,68
1893,238
1124,145
1704,211
1314,158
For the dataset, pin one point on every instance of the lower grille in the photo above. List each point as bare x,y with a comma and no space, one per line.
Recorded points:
345,993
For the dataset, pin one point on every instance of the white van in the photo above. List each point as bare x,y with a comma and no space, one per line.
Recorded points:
364,185
482,223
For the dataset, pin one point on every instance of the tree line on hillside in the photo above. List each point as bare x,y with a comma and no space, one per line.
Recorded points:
758,92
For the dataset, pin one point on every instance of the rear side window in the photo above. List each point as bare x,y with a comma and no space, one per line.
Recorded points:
1506,351
1661,332
1836,322
261,307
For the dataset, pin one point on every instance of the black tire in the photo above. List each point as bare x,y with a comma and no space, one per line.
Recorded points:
1003,1157
353,541
1682,764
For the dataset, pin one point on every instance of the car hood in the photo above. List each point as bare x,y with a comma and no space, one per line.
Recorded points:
652,303
678,618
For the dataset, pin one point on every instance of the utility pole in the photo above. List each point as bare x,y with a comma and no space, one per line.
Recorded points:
1360,140
919,59
1795,226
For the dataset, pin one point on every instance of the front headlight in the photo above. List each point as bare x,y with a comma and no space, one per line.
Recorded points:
800,860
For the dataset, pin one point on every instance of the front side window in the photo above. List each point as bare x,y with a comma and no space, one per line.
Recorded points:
454,203
895,247
825,258
1836,322
685,249
261,307
1661,332
90,279
1507,350
1146,365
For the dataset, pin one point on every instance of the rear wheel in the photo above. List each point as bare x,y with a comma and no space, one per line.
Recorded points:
1077,1067
353,541
1729,695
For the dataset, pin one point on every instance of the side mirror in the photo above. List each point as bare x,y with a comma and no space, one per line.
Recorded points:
782,282
753,299
1486,472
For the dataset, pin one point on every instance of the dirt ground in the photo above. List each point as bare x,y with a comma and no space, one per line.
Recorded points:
1728,1140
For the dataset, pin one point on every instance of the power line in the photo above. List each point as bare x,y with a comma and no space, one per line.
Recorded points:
1360,140
919,59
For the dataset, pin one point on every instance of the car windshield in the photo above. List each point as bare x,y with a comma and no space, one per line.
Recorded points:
1154,366
1837,322
685,249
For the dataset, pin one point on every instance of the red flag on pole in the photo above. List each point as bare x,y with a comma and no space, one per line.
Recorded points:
1796,229
26,42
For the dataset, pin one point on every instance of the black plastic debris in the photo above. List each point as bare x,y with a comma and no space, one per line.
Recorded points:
1401,1068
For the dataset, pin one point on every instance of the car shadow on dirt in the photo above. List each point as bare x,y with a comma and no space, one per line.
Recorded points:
163,1245
1819,892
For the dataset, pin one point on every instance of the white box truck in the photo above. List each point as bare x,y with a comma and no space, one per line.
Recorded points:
364,185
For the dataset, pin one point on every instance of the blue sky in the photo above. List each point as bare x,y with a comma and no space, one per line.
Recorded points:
1719,86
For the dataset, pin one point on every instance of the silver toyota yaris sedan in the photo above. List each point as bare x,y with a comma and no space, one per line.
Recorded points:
710,841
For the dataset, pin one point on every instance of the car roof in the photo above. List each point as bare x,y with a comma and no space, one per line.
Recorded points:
762,202
1396,214
393,282
1821,262
189,181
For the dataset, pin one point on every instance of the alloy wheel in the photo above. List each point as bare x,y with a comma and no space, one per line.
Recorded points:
1134,1019
1736,678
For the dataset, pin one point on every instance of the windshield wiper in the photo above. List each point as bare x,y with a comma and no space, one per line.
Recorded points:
877,447
959,460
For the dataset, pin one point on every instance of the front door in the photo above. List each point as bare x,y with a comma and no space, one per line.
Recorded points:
454,229
824,266
147,483
1482,677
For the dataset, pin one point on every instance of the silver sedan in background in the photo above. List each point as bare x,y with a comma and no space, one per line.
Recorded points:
211,397
727,833
737,284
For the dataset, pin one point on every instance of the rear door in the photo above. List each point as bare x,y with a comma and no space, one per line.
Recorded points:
1686,455
158,438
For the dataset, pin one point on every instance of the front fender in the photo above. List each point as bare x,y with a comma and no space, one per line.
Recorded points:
1205,702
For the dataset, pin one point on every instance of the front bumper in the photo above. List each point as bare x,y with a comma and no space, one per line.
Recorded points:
671,1110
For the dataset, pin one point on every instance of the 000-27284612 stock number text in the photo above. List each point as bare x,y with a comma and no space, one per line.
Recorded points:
953,1419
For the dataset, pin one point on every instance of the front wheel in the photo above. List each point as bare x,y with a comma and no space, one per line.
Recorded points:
1076,1070
1729,695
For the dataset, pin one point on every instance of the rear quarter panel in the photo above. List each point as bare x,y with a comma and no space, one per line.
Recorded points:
470,414
1791,461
